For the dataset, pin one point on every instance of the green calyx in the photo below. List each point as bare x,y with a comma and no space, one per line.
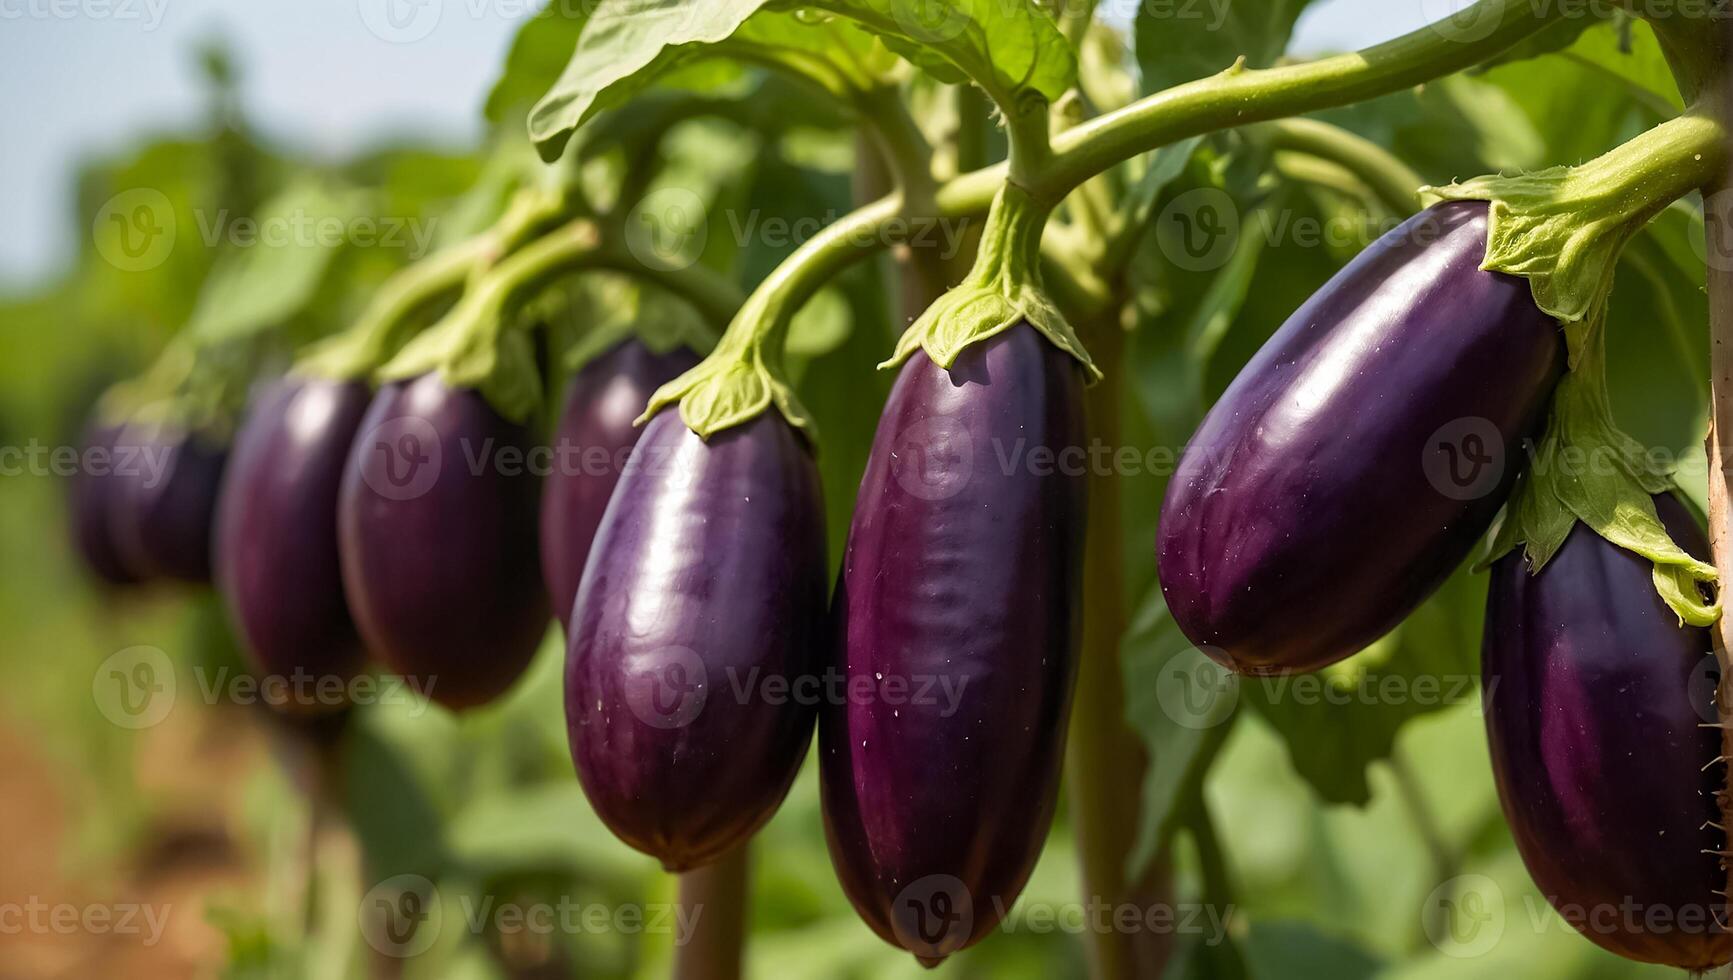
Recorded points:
1002,290
192,387
483,343
1564,229
738,382
1586,470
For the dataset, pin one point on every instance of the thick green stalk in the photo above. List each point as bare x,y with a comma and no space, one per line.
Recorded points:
1105,761
1239,95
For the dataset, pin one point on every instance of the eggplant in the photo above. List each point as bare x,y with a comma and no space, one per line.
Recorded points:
596,434
959,615
1597,702
88,501
436,523
276,540
1354,462
163,501
696,637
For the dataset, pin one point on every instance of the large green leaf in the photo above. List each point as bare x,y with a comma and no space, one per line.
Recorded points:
1179,42
277,258
628,44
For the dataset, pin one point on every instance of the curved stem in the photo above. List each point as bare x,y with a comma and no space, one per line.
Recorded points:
1395,183
1239,95
716,895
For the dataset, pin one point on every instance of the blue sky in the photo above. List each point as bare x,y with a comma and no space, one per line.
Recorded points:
334,76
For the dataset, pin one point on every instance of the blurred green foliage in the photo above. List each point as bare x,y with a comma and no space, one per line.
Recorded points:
1333,822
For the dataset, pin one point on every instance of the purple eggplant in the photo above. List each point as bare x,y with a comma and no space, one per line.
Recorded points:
1596,706
276,544
1354,462
163,500
696,637
436,528
596,434
958,610
89,495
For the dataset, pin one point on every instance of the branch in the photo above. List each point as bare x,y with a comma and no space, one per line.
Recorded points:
1396,185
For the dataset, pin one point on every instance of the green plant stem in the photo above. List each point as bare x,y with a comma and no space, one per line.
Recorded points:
1239,95
1105,760
1234,98
1394,182
366,345
580,245
1718,221
717,894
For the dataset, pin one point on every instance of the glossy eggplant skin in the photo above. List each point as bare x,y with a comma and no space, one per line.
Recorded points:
436,528
1354,462
1596,700
595,436
958,610
696,637
163,505
90,510
276,539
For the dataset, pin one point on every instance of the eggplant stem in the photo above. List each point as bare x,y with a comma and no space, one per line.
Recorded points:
715,897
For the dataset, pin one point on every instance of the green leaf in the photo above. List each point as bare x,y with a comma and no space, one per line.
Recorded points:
539,52
269,276
1181,42
627,44
1011,48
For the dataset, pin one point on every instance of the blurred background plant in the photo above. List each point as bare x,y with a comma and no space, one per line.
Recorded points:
1334,829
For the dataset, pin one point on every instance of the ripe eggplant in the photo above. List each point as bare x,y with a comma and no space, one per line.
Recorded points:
1596,702
596,434
163,501
696,636
1354,462
958,610
436,527
276,538
89,495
